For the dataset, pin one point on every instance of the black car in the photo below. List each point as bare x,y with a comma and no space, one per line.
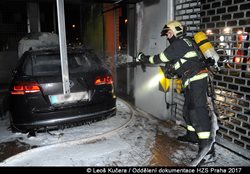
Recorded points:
36,97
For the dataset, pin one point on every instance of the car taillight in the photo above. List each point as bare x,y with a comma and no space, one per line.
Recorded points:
22,88
104,80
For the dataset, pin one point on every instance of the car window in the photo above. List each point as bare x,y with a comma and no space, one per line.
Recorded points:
81,63
26,65
44,65
50,64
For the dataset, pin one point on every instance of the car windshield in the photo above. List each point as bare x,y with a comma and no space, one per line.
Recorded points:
50,64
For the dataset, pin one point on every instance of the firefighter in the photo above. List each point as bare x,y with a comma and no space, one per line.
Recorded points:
184,58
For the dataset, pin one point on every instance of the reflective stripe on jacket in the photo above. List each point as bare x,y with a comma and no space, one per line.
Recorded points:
182,54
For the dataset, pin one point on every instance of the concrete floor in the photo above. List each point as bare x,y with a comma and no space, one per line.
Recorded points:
163,148
167,151
161,151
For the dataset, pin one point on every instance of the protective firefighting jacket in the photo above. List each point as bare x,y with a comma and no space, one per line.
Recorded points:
184,58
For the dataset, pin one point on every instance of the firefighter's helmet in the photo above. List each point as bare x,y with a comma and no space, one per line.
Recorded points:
177,28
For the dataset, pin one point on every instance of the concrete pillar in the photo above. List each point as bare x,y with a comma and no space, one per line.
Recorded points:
150,19
33,13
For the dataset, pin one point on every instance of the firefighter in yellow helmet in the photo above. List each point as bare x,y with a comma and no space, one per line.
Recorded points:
184,60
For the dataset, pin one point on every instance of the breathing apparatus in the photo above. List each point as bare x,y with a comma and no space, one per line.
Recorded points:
206,48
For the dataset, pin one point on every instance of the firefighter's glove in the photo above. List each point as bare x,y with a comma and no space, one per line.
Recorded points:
142,58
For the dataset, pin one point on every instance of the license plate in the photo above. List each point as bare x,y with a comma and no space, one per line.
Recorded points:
72,97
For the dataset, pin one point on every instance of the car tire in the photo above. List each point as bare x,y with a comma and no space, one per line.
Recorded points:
12,127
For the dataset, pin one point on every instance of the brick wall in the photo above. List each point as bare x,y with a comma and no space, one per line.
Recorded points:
227,23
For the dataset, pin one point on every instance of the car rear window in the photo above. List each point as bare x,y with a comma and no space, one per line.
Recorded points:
50,64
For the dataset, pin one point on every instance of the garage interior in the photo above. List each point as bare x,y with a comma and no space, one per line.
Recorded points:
119,29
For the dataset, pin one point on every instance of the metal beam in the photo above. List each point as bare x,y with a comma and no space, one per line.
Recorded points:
63,46
82,1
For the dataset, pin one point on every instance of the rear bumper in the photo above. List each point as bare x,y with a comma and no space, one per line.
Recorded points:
26,120
63,120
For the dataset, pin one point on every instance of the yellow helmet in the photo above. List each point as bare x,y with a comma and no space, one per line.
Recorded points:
177,28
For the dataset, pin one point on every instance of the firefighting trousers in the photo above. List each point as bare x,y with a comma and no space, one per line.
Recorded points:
195,111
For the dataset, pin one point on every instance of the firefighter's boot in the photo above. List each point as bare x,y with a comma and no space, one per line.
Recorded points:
210,155
204,143
190,137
